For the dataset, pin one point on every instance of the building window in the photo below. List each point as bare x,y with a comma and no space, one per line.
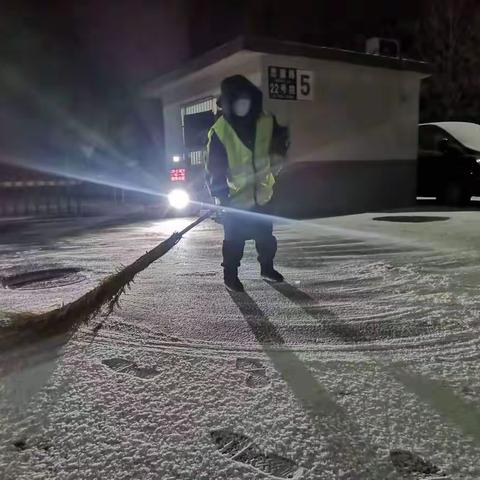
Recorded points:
197,157
204,105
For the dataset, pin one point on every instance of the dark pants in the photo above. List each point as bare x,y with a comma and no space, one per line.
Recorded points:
242,226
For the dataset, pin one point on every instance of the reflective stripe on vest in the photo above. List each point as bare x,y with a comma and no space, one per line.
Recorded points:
250,178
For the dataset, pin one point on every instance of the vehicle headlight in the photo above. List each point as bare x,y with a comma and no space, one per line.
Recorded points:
478,160
178,199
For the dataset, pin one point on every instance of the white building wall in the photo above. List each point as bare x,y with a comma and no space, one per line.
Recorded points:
353,147
172,124
358,112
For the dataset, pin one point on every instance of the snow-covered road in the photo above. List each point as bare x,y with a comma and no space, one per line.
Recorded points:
364,365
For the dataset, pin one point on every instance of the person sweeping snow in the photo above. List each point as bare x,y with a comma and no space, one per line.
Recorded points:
242,146
243,149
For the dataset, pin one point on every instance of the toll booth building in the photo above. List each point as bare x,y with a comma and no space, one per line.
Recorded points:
352,118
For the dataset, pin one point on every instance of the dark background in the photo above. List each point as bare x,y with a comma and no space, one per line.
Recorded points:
70,72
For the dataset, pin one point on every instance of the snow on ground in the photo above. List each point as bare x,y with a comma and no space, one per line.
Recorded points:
364,365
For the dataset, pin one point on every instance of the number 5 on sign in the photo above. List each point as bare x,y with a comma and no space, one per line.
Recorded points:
305,85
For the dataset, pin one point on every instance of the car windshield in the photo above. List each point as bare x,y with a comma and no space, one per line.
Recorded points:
468,134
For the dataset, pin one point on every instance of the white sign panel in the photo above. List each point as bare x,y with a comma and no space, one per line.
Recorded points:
285,83
305,84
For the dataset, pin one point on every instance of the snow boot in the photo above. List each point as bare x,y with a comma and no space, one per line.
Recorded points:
231,280
269,273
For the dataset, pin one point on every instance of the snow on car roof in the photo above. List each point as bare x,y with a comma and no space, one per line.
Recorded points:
467,133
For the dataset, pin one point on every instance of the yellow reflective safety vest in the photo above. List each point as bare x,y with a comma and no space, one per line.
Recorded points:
250,179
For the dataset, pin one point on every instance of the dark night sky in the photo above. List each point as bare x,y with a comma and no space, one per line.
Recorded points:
124,40
131,40
86,58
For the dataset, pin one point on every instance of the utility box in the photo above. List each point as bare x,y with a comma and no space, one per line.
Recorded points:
388,47
352,117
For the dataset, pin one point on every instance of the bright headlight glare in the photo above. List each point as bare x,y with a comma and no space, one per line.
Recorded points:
178,199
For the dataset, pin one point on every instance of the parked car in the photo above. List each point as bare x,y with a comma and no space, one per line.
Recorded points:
449,161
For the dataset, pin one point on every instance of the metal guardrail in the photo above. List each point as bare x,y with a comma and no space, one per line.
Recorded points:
28,197
37,183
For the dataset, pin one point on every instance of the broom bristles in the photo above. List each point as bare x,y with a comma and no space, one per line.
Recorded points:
23,328
69,316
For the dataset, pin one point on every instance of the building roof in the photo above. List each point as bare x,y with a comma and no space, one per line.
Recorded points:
294,49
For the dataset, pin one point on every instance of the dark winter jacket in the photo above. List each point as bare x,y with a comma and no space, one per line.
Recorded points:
231,89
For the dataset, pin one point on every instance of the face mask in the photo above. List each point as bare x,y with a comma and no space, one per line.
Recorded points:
241,107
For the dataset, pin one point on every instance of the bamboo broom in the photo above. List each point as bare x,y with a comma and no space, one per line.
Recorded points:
23,327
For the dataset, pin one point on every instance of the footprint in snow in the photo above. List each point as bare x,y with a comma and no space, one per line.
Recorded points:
406,462
255,370
129,367
241,448
20,444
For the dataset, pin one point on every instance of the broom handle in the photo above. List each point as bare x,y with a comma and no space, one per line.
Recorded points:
199,220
